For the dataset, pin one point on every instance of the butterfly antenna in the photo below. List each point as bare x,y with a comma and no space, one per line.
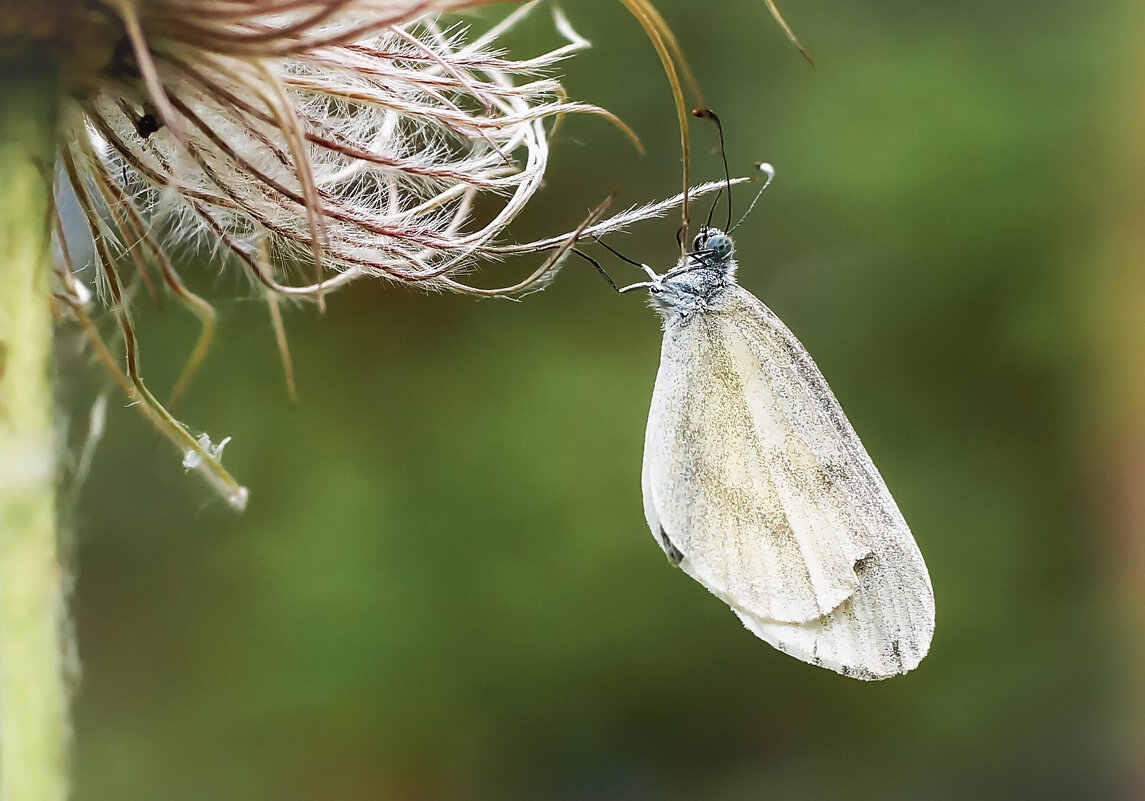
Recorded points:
708,114
769,172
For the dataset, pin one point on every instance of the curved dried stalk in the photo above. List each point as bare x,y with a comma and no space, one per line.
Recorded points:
787,30
668,49
673,61
198,453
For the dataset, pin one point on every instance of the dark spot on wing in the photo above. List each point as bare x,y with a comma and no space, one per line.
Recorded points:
897,651
864,566
674,554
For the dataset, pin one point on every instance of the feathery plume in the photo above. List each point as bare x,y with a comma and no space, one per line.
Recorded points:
309,143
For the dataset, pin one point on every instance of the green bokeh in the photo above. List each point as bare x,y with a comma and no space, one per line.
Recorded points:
444,588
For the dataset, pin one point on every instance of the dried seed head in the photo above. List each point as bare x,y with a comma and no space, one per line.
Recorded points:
287,132
310,143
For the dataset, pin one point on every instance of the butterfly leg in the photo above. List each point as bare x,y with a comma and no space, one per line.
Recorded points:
641,285
648,270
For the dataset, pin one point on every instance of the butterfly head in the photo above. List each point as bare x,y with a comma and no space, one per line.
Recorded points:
699,278
712,246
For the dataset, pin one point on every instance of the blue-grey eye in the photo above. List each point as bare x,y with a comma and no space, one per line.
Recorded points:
719,245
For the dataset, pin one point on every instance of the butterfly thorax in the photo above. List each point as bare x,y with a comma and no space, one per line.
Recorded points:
700,277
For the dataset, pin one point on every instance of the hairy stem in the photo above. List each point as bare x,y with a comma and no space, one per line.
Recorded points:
33,697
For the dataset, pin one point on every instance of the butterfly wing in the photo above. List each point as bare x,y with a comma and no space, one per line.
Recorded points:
758,487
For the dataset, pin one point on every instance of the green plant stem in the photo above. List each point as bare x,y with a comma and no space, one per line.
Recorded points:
33,696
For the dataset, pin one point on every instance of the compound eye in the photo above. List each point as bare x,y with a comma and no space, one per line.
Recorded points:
720,245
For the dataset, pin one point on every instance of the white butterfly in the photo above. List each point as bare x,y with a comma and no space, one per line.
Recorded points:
756,485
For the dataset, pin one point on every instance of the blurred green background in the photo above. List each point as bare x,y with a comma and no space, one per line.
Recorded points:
444,588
